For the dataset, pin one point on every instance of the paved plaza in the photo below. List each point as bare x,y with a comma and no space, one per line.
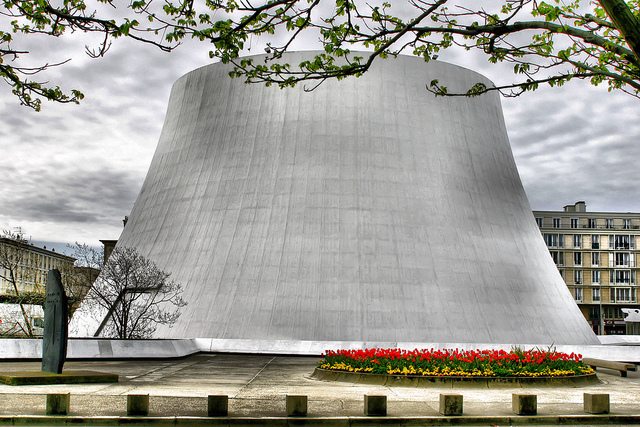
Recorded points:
257,385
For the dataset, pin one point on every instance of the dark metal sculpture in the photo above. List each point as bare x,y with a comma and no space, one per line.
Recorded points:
54,346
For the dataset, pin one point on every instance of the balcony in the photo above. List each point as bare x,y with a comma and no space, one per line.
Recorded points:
624,300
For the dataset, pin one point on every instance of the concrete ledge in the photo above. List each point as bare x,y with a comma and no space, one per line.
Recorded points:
102,348
138,404
375,406
596,403
97,348
450,404
66,377
453,382
616,366
218,405
610,351
58,404
524,404
576,420
296,406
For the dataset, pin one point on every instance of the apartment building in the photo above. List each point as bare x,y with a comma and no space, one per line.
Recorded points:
597,256
30,264
25,267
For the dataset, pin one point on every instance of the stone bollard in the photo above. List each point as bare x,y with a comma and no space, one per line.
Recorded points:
451,404
218,405
524,404
596,403
58,404
296,406
138,404
375,406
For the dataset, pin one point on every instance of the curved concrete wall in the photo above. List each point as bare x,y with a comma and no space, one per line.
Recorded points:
365,210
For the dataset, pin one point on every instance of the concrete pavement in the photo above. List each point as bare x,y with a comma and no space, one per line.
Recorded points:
257,385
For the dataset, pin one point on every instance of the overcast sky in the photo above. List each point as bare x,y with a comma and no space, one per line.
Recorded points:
72,172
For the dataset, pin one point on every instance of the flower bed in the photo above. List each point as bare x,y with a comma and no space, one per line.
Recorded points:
456,363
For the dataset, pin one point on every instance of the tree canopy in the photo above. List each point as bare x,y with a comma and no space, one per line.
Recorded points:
546,42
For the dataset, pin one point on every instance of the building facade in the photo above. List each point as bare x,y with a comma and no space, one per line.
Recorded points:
23,270
365,211
597,255
30,264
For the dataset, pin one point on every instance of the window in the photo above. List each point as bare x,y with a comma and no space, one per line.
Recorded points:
594,313
626,224
554,240
577,277
619,241
623,294
574,222
595,241
539,221
595,278
577,240
612,312
608,223
558,257
592,223
577,258
622,259
595,259
556,222
622,277
596,294
578,294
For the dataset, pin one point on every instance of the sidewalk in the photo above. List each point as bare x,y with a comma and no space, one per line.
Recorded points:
257,385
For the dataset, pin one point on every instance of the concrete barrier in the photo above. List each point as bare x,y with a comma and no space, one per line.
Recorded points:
524,404
375,406
58,404
296,406
595,403
451,404
217,405
616,366
138,404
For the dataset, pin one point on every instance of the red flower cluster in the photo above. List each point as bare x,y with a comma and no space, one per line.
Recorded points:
456,362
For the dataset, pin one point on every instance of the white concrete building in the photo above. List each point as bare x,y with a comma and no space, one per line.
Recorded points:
366,210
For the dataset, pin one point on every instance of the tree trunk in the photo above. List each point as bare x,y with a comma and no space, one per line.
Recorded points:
26,318
625,21
109,314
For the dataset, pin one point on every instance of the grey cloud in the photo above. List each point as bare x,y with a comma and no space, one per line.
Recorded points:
79,196
70,165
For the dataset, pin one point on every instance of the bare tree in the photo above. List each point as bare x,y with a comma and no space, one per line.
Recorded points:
79,278
132,296
15,270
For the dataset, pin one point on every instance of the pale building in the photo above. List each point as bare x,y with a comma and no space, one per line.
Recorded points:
597,256
32,264
366,211
25,267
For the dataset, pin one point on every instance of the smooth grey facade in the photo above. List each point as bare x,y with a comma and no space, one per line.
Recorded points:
365,210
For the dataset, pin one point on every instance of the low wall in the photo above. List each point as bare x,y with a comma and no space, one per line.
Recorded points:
94,348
